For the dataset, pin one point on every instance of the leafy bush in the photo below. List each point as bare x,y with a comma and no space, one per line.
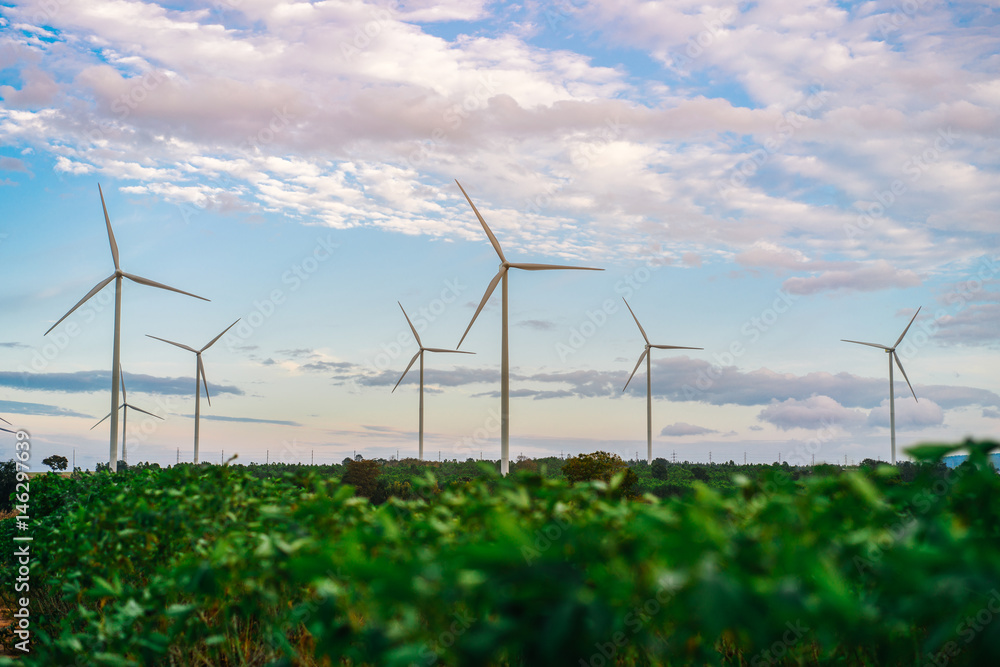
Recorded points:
600,466
216,565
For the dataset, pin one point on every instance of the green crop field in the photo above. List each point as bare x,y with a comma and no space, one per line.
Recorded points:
231,565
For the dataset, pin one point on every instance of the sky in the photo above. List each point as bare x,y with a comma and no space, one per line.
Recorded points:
759,179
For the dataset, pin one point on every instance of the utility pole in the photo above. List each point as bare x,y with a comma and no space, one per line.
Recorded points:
74,459
178,456
710,457
675,456
744,457
267,457
223,459
312,457
814,459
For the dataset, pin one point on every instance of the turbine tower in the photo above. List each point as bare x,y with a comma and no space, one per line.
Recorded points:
504,357
420,353
124,407
199,375
649,382
891,351
117,276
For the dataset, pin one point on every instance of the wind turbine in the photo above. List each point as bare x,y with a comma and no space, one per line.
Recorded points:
504,357
124,407
649,382
199,374
891,351
420,353
8,424
116,354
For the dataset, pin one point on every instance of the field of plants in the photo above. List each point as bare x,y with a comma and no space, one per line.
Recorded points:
233,565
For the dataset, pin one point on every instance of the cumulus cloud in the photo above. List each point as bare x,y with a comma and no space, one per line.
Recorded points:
815,412
683,428
356,114
910,415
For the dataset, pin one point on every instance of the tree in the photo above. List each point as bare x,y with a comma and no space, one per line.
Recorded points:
363,476
600,466
659,469
56,462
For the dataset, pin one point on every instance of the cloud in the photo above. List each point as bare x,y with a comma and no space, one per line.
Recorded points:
815,412
249,420
683,428
682,378
878,275
910,415
12,164
41,409
537,325
100,381
991,413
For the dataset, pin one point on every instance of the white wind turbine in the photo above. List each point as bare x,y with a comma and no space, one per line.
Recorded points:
891,351
649,382
504,357
124,407
116,354
199,378
420,353
8,424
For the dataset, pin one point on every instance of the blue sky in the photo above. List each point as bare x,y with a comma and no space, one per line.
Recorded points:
759,179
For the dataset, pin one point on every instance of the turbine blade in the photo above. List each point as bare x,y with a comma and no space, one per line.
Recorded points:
5,421
437,349
111,234
180,345
97,288
641,357
6,429
641,330
549,267
881,347
212,342
102,421
898,340
146,412
486,297
900,366
121,378
675,347
153,283
486,228
204,380
408,366
412,328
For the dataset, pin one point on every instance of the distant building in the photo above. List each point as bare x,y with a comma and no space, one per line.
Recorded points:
958,459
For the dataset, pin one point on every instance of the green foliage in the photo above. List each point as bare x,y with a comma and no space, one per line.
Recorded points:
56,462
603,467
363,476
220,565
8,481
